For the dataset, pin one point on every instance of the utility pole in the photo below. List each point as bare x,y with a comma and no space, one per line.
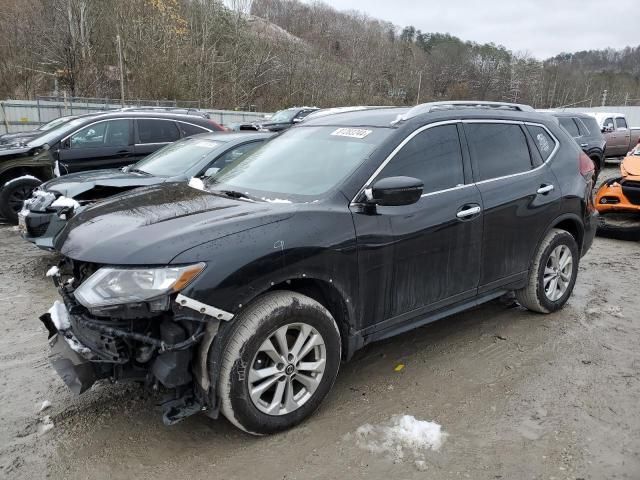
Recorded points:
419,87
121,70
626,99
604,97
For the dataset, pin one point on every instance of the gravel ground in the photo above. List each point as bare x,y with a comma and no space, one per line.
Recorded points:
519,395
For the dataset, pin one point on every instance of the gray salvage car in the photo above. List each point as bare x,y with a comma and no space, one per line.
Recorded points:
56,201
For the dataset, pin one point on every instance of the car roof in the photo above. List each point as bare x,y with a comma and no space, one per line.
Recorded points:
238,137
144,114
567,114
390,116
374,117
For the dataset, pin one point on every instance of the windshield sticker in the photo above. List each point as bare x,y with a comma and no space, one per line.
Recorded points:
351,132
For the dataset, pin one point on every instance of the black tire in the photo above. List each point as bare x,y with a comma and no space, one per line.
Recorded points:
13,193
253,326
620,226
597,164
533,296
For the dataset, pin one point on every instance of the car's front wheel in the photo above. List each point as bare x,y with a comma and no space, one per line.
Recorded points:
553,273
279,363
14,193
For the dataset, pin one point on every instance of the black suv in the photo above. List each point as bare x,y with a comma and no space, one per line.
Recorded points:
586,132
89,142
243,296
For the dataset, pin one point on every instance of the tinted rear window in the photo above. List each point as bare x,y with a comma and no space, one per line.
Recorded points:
187,129
591,125
157,131
570,126
498,149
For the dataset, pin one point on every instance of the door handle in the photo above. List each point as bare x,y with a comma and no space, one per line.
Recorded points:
544,189
468,212
123,153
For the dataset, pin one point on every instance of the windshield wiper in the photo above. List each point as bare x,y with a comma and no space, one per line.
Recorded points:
236,194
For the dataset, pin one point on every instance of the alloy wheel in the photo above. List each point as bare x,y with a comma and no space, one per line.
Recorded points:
287,369
558,272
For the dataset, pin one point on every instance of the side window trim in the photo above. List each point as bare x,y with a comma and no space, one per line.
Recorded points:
204,129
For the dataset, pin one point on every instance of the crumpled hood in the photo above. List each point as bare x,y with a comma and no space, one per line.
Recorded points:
77,183
152,225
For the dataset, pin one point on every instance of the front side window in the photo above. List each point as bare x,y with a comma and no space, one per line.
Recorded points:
498,149
570,126
234,154
110,133
608,123
621,123
157,131
301,163
433,156
283,116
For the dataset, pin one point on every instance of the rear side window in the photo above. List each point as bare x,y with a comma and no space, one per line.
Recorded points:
621,122
498,149
570,126
433,156
544,142
187,129
157,131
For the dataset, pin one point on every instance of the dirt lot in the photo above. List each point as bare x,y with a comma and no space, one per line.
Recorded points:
520,396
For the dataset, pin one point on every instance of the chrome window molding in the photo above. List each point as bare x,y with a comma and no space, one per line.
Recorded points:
390,157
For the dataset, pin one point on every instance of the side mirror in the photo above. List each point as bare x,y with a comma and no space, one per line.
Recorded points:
607,129
297,120
395,191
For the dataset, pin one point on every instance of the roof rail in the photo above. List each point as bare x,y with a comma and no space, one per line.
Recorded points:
335,110
452,104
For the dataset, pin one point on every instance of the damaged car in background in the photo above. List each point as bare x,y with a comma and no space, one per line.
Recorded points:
54,202
242,296
89,142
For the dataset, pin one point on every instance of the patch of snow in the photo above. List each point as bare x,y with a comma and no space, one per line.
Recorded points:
65,202
53,271
24,177
60,316
197,183
76,346
56,169
46,404
276,200
403,438
47,425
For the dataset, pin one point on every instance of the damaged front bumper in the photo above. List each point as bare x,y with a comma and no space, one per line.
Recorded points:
167,352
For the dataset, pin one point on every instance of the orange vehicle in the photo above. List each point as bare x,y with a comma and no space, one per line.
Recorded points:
618,200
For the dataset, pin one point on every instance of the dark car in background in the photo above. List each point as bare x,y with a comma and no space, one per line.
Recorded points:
55,202
18,138
280,120
243,295
586,132
89,142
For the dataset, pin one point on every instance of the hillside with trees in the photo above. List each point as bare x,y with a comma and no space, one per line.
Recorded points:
276,53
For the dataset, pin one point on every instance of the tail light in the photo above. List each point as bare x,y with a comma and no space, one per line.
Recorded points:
587,168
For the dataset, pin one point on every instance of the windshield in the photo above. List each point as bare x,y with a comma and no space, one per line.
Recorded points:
177,158
283,116
54,123
304,161
56,134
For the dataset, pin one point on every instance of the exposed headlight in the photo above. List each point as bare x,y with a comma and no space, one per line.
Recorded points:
117,286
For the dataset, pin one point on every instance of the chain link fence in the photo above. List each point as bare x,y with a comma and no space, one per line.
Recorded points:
21,115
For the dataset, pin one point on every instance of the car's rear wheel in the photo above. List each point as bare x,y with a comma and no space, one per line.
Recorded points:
13,194
279,363
553,273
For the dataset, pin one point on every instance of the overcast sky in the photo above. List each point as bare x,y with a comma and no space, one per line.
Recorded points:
543,28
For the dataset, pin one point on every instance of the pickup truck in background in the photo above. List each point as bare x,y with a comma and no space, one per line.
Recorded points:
620,137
